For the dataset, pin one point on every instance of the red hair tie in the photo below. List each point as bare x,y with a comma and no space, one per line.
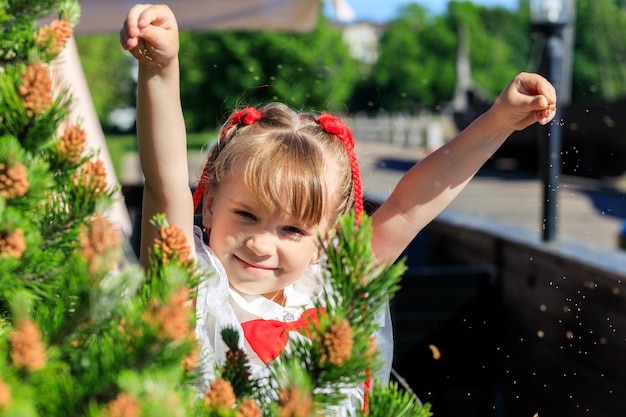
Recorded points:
246,117
335,126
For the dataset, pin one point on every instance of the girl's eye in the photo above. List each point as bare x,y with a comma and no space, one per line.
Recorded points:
245,215
295,231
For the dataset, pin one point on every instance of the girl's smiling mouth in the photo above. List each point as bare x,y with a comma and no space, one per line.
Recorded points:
255,269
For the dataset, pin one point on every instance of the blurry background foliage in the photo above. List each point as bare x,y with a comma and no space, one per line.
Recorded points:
416,68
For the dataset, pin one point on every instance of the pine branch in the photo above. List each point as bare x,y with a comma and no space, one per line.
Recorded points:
122,338
390,400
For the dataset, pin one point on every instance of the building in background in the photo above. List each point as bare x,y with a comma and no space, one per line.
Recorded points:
362,39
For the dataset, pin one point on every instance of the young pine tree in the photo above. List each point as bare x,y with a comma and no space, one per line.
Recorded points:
85,332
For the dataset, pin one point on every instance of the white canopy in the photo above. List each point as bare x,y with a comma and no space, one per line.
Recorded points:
284,15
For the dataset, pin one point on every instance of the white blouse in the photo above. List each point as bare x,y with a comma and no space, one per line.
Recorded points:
218,305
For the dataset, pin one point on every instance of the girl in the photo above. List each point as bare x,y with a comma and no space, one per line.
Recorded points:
276,180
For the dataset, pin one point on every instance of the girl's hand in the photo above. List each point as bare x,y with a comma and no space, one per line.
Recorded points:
529,98
150,33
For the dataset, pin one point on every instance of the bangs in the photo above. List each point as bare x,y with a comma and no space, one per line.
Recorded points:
285,172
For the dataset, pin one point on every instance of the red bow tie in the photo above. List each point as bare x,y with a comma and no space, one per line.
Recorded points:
268,338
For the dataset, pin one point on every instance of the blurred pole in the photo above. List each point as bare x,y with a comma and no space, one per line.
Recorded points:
552,145
554,20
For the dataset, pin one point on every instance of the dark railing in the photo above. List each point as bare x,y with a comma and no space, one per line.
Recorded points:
522,327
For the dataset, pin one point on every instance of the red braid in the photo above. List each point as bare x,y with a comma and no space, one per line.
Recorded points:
336,126
244,117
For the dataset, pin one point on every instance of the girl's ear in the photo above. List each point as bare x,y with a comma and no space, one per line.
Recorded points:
207,207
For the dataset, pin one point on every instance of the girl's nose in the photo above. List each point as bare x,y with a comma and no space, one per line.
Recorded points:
261,244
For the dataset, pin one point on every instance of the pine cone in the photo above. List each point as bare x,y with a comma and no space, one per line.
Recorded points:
294,403
337,343
190,362
13,180
53,37
36,89
371,348
72,143
174,317
12,244
220,394
27,349
5,394
99,243
248,408
172,242
129,331
124,406
93,175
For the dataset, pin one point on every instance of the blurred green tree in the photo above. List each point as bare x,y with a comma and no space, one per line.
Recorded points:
416,67
108,71
600,50
222,69
418,53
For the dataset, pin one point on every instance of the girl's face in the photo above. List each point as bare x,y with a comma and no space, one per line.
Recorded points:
262,250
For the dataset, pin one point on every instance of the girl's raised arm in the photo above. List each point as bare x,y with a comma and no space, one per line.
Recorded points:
431,184
150,33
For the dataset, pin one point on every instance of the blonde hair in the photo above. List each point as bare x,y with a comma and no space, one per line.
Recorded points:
286,159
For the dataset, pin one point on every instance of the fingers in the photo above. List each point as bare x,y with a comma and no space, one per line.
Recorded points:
545,110
540,96
130,30
541,103
127,40
140,19
536,85
529,98
544,116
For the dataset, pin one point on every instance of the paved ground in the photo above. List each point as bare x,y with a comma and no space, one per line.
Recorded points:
589,211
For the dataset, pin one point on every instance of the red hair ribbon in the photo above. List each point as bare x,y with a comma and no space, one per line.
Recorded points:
246,117
334,125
